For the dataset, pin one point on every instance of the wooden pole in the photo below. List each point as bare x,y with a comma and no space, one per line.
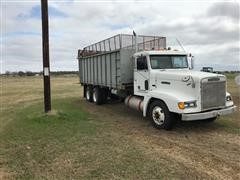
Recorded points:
45,49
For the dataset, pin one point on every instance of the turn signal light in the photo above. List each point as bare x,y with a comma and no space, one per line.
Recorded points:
181,105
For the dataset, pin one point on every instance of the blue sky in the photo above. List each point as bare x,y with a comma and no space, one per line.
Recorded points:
207,30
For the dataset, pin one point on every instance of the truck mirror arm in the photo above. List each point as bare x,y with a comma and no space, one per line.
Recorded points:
192,63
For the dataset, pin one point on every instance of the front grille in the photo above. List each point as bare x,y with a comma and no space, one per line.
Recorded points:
213,94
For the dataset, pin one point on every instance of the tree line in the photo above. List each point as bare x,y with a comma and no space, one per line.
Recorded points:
31,73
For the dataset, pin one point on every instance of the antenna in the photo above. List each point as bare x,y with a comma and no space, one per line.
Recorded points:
180,44
136,45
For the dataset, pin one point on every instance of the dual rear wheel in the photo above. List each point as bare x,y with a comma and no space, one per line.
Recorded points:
89,93
97,95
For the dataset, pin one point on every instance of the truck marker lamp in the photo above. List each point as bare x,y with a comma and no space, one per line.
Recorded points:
228,98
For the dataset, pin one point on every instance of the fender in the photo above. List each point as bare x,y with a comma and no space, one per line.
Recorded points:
171,100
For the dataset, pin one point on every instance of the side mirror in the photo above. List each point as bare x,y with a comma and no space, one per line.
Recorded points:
192,62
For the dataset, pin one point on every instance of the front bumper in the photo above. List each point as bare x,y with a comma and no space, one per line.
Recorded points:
209,114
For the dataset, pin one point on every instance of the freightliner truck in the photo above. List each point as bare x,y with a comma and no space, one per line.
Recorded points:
152,78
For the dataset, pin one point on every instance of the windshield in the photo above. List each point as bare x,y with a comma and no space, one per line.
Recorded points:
168,61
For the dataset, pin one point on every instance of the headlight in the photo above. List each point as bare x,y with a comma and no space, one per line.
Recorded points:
189,104
228,98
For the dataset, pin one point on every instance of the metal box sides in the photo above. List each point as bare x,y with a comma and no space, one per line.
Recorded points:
112,69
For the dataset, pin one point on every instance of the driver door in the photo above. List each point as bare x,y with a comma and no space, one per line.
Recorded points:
141,76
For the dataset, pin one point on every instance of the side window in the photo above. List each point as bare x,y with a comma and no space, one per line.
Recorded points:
142,63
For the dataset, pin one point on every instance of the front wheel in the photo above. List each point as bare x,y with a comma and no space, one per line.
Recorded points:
160,116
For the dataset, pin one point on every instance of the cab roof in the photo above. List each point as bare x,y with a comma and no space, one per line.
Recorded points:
160,52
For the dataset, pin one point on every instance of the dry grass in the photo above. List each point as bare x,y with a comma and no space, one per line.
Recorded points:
20,92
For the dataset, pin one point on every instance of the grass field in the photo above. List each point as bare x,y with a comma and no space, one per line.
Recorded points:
79,140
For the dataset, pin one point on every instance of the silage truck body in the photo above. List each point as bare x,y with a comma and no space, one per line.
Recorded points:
152,78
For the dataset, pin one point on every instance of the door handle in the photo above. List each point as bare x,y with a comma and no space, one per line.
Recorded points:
165,82
146,84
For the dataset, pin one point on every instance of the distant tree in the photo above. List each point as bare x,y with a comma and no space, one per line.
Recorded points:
21,73
14,73
8,73
29,73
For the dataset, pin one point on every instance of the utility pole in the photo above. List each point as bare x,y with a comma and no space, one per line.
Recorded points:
45,49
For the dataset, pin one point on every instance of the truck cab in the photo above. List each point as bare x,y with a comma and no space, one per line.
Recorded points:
171,90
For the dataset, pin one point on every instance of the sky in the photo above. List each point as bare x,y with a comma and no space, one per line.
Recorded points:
207,29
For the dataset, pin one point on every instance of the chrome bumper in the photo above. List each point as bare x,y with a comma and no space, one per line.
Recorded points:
209,114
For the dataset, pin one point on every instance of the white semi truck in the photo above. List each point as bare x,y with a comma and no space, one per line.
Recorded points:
152,78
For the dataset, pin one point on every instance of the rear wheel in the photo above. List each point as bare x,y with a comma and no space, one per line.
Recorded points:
104,93
160,116
89,94
97,96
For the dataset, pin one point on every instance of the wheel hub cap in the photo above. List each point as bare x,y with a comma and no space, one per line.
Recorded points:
158,115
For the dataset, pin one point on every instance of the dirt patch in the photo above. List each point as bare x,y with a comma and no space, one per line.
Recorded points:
5,175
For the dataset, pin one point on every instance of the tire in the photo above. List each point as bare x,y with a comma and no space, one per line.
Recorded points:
98,96
160,116
84,91
89,94
104,94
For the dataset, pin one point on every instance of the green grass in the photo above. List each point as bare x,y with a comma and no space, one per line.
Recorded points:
231,75
39,138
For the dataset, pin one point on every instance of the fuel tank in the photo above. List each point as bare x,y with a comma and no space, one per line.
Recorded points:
134,102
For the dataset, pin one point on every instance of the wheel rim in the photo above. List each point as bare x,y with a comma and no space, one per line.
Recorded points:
94,97
158,115
88,95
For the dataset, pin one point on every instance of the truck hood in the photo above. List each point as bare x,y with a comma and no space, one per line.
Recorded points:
179,74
